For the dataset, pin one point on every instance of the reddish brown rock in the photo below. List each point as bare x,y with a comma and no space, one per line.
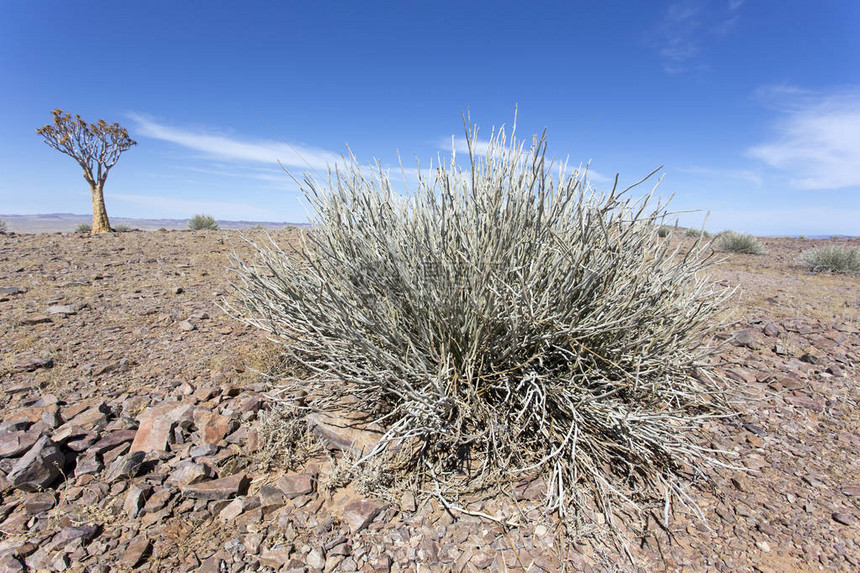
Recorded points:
294,485
224,488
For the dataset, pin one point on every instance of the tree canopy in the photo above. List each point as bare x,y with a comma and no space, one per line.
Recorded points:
95,146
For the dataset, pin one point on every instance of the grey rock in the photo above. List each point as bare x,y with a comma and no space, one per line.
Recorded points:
39,467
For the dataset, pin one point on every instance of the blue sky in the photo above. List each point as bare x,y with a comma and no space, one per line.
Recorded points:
751,107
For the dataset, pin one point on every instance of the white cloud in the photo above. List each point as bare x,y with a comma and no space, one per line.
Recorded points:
685,29
747,175
461,146
816,141
248,150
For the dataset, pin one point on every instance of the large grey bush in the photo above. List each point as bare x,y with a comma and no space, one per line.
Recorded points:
504,319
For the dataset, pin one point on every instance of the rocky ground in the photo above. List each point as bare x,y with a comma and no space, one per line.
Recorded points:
130,433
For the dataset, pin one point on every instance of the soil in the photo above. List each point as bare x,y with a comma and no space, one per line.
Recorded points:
115,344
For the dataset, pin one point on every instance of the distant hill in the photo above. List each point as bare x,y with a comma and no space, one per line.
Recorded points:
67,222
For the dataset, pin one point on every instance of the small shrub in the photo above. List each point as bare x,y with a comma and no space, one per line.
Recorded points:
2,226
121,228
83,228
696,233
499,321
664,232
743,243
202,222
833,259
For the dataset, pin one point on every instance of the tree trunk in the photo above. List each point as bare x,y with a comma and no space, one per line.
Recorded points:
100,218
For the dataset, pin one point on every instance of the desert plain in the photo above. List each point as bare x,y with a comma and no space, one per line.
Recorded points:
130,436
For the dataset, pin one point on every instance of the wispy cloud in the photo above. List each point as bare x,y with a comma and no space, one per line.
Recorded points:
747,175
816,140
461,146
222,146
687,26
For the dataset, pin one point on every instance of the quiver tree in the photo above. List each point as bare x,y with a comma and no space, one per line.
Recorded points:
96,147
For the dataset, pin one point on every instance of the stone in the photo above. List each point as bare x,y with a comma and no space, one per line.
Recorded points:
276,557
270,497
136,553
10,290
851,490
743,337
135,499
224,488
359,514
231,511
35,319
113,439
345,432
315,558
294,485
69,534
186,326
770,329
158,500
843,518
805,402
152,435
64,309
188,473
213,427
39,502
9,564
125,467
91,463
32,364
407,502
13,444
39,467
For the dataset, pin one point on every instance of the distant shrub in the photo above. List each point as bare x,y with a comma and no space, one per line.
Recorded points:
499,318
2,226
83,228
833,259
664,232
743,243
696,233
121,228
202,222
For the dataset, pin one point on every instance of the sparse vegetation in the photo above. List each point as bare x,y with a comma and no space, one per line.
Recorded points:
697,233
664,231
733,242
83,228
121,228
2,226
833,259
202,222
500,322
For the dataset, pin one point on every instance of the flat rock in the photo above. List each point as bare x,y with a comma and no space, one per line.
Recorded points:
213,427
126,466
224,488
39,467
113,439
345,432
152,435
136,553
69,534
805,402
294,485
843,518
32,364
358,514
276,557
64,309
13,444
35,319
